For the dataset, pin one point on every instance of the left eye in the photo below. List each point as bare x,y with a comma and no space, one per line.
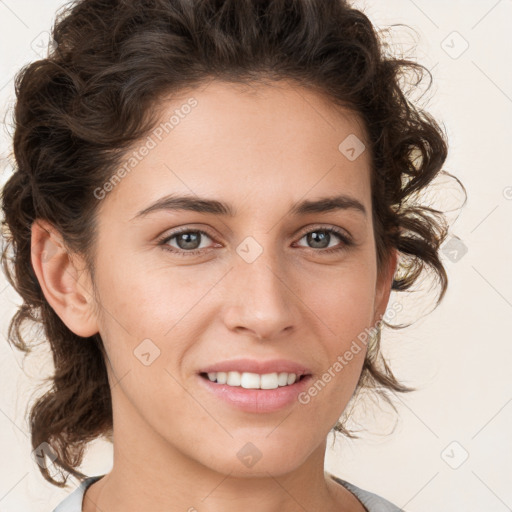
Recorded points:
189,241
319,236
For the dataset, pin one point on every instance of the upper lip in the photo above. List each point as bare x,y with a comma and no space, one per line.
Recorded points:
256,366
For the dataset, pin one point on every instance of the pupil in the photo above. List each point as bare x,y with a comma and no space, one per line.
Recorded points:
190,240
314,237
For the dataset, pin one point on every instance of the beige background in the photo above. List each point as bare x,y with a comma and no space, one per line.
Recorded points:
458,356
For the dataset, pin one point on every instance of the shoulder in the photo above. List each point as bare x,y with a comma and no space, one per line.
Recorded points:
73,502
372,502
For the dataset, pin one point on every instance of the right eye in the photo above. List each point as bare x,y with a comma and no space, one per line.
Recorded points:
188,242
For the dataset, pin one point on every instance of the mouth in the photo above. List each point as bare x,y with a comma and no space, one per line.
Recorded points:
253,392
255,386
249,380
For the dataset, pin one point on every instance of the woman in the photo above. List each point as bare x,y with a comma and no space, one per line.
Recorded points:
211,205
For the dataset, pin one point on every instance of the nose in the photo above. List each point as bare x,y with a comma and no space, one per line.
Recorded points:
262,301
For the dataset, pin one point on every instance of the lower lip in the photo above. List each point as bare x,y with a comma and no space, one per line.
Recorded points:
257,400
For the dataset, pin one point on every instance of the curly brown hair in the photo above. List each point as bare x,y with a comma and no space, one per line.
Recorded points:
80,109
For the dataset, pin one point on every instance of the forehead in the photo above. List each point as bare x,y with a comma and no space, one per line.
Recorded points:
260,112
260,142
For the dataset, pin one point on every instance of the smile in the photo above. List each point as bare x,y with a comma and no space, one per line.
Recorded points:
250,380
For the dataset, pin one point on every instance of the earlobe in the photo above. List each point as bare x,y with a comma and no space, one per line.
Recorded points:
66,287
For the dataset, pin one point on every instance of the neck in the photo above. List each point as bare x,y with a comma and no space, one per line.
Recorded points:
132,486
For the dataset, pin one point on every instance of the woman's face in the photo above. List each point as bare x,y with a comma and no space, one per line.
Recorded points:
258,284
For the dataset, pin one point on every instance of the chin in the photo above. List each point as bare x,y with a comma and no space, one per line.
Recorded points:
260,457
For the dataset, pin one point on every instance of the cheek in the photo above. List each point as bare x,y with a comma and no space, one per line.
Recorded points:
343,306
343,301
144,319
148,300
151,317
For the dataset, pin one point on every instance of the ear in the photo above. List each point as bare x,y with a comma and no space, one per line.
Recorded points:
384,284
63,279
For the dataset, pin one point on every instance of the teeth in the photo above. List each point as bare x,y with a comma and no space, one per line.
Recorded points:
234,379
282,379
269,381
249,380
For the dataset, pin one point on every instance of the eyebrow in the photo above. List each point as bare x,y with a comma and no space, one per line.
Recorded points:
214,207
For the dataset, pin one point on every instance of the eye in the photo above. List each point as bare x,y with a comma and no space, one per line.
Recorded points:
320,238
188,241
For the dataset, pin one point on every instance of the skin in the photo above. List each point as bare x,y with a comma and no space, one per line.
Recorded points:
260,148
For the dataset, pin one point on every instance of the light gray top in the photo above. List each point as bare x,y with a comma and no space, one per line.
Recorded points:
372,502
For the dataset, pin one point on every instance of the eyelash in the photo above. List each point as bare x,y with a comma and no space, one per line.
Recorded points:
347,242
